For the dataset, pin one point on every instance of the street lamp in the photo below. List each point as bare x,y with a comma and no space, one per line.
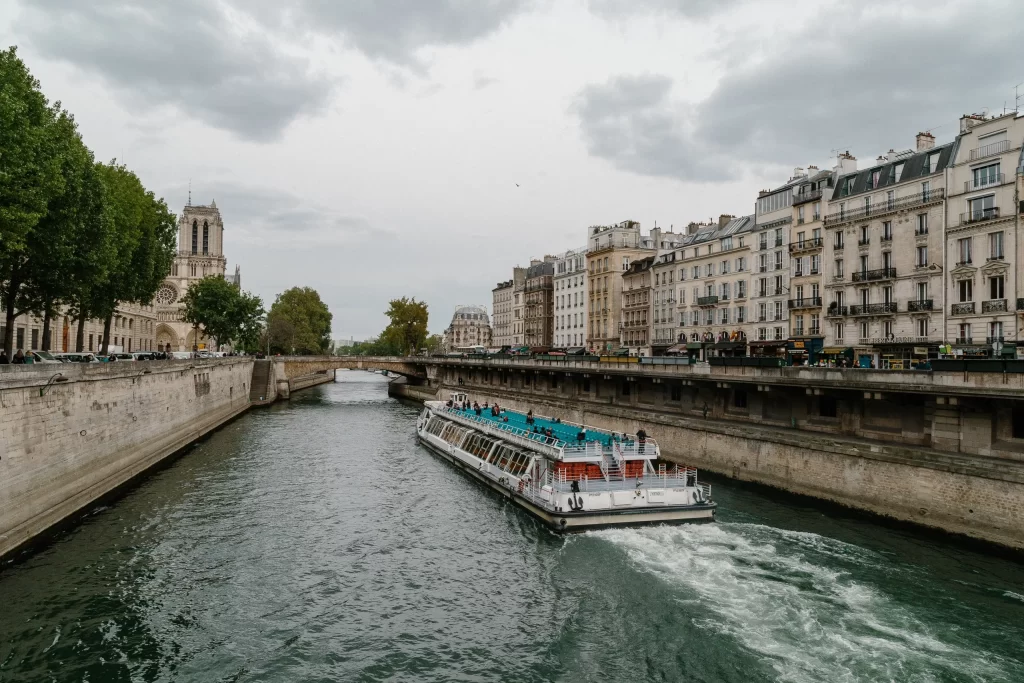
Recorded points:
56,379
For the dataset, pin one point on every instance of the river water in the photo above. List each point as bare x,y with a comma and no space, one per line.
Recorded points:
316,541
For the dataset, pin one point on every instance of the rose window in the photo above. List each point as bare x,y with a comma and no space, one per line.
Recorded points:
166,295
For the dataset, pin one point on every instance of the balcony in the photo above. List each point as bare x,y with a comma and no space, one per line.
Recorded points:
778,241
964,340
836,311
837,247
1000,257
989,150
994,340
874,309
1020,304
993,306
979,215
873,275
806,302
815,331
707,300
805,245
964,263
886,238
965,308
920,305
898,204
804,197
983,182
864,242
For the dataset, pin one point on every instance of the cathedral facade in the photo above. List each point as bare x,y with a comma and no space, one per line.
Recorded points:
200,253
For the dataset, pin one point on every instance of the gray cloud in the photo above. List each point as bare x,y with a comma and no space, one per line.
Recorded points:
691,9
393,30
857,79
189,55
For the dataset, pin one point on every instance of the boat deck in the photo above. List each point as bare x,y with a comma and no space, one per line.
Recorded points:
564,432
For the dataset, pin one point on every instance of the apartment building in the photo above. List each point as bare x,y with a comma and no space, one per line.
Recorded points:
713,299
806,244
666,275
538,311
610,250
983,249
571,299
501,313
635,330
883,244
133,328
770,286
518,307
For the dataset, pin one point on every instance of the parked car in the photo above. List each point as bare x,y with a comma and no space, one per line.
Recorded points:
181,355
44,357
144,355
122,356
77,358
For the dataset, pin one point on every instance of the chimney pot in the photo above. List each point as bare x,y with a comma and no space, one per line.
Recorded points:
925,141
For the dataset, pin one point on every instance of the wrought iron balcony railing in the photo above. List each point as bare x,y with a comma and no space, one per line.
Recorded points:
965,308
993,306
836,311
804,197
885,206
872,275
1020,304
989,150
964,340
979,215
874,309
806,302
920,305
803,245
707,300
993,340
984,181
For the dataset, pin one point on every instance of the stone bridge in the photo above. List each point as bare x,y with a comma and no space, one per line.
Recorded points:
282,375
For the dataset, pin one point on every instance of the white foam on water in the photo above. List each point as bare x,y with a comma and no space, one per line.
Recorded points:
1015,596
770,590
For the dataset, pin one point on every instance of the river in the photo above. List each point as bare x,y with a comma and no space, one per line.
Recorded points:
316,541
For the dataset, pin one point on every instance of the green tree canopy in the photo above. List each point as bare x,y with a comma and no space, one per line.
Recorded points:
299,322
224,312
407,331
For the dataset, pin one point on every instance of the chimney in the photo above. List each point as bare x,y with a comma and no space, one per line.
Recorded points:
880,160
968,121
798,172
812,168
656,238
927,140
724,219
847,164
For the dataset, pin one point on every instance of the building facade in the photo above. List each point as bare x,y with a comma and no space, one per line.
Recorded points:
470,326
635,316
200,253
610,250
982,243
806,247
501,314
538,313
570,282
883,243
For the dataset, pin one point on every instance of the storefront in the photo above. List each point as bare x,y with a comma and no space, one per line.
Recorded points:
730,344
769,349
903,353
803,351
837,356
677,350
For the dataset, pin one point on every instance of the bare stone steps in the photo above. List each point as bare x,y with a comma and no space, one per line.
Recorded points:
260,376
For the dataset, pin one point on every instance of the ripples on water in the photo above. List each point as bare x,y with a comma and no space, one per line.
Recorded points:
316,541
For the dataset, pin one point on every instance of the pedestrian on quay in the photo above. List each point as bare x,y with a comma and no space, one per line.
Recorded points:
19,357
4,360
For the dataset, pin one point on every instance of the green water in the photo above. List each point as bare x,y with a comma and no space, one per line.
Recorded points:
316,541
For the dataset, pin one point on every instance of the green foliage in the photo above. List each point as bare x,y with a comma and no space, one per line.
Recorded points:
407,331
434,343
299,322
223,311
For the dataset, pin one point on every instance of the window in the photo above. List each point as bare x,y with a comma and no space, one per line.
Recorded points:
922,327
35,339
762,333
922,291
983,207
995,331
799,326
984,176
887,231
863,330
876,176
778,310
963,247
709,270
778,333
815,263
965,333
995,287
800,238
726,243
887,294
741,264
762,263
922,224
838,241
195,239
926,188
741,314
921,259
865,234
965,289
840,297
933,162
741,289
739,398
724,267
865,296
800,214
995,245
863,263
839,331
778,260
778,286
817,210
206,238
887,259
762,312
762,287
887,329
890,200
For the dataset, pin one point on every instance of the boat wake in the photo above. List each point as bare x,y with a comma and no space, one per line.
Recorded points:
788,597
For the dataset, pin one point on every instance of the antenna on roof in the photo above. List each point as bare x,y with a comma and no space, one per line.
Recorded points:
189,192
1016,98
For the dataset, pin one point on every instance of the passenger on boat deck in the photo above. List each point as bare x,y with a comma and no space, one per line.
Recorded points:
529,417
641,436
582,436
449,403
505,419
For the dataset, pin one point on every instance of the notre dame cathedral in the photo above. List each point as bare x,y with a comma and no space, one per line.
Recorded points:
200,253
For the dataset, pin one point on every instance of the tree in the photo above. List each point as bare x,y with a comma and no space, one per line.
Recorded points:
29,174
434,343
223,311
407,331
299,322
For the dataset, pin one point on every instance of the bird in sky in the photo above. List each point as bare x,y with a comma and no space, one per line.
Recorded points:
517,184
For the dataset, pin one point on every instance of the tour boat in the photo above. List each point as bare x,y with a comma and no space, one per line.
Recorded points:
574,478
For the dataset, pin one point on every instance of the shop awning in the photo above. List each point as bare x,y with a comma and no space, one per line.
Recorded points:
972,349
576,351
1009,350
730,345
834,350
695,346
678,348
767,344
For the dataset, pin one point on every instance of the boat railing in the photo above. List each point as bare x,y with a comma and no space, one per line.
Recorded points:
513,433
664,478
596,430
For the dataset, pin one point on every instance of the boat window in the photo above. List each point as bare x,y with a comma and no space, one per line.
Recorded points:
502,451
435,425
517,464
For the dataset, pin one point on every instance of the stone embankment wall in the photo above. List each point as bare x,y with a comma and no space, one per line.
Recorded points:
977,496
64,445
401,389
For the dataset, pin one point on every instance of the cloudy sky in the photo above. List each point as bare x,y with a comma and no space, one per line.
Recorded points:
371,149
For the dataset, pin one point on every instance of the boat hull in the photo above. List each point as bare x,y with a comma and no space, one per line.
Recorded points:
568,521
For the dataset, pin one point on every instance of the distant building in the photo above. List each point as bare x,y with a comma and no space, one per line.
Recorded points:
570,300
470,326
635,333
538,314
503,308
